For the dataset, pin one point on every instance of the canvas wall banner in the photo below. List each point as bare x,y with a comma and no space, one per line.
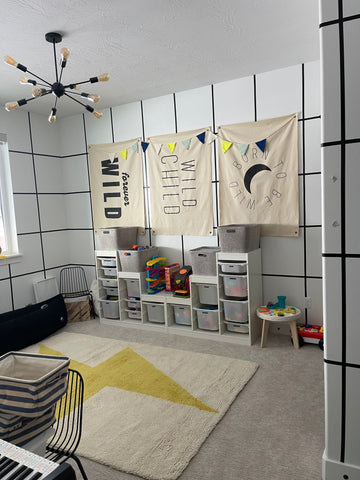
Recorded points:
258,175
180,183
116,179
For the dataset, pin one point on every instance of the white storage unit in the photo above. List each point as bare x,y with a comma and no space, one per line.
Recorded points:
227,316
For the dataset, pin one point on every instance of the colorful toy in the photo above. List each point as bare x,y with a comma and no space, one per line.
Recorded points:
311,334
170,274
155,275
280,304
182,284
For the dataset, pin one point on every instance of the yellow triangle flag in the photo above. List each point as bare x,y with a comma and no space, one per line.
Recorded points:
171,146
225,146
124,154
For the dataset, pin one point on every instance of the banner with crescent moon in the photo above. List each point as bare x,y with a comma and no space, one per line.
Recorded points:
180,183
258,175
116,180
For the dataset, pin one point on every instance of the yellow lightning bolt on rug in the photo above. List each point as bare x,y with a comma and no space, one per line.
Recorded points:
129,371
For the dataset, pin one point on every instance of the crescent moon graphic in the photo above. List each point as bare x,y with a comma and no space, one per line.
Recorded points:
251,172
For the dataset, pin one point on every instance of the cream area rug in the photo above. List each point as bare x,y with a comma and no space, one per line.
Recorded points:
148,409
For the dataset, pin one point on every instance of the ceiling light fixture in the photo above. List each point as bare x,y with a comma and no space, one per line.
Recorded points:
56,88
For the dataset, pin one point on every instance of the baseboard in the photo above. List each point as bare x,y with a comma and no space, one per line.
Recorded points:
333,470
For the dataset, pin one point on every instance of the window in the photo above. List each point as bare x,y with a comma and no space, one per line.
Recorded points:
8,237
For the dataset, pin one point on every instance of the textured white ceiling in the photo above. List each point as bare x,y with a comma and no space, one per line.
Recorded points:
152,47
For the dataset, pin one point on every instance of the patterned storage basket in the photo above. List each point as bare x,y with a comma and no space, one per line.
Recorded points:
31,383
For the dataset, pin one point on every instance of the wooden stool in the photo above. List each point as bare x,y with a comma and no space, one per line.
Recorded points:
288,314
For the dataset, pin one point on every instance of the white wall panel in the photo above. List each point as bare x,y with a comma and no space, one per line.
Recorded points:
56,248
329,37
279,92
75,174
352,310
333,411
234,101
313,252
313,199
26,213
159,116
351,202
49,174
78,211
314,291
170,247
71,132
312,89
52,212
22,173
352,77
127,121
45,137
4,271
194,109
98,130
312,146
351,7
332,308
283,255
16,126
31,261
352,438
80,246
331,211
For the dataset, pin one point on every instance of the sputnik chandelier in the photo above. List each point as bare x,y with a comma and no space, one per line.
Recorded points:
56,88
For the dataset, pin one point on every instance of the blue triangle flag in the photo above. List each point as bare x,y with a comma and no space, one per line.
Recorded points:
144,146
201,137
261,144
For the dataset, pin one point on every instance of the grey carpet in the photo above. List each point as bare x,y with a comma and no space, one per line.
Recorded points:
274,430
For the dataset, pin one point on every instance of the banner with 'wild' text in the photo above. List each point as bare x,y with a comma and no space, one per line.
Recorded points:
180,183
116,179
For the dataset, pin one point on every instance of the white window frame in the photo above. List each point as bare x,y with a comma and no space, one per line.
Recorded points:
7,203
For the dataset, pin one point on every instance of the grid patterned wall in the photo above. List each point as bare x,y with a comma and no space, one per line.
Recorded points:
340,38
291,266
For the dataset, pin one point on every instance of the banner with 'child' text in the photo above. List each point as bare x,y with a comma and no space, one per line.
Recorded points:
116,179
180,183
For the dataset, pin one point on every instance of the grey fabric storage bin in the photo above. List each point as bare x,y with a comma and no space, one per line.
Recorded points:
116,238
239,238
203,260
135,260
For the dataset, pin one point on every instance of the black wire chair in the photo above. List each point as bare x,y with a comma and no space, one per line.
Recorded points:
68,427
73,284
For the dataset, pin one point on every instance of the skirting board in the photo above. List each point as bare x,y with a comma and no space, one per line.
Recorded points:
333,470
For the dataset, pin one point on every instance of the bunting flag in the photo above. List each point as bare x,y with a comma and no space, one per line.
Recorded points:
225,146
258,182
186,143
261,145
201,137
172,147
180,185
116,183
243,148
144,146
135,147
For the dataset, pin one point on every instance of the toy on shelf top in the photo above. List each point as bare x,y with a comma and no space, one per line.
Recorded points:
182,288
280,304
155,275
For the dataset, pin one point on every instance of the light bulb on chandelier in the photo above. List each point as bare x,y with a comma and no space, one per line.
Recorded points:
57,88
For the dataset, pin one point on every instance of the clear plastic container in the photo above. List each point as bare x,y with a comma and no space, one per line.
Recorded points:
235,311
208,294
110,308
182,314
155,312
207,319
133,287
237,268
235,286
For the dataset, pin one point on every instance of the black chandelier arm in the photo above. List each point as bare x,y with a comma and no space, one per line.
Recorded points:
74,84
77,101
37,76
